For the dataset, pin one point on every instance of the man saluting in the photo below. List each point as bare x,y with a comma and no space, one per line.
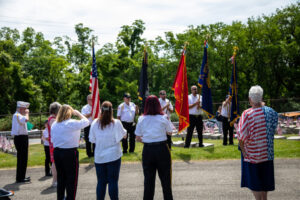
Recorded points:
20,133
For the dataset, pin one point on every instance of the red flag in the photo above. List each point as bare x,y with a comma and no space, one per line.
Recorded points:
95,89
180,87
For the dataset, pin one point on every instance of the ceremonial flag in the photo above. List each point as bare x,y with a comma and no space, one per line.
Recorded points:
204,84
95,89
180,87
143,85
233,92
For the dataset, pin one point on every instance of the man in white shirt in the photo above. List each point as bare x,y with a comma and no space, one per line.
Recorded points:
87,112
20,133
225,112
126,113
167,108
195,114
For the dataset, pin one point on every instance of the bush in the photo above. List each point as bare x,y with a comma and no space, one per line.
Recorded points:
36,119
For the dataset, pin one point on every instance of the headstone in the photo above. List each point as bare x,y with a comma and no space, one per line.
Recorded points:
279,137
294,138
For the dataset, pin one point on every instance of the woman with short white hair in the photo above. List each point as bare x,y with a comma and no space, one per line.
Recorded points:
255,133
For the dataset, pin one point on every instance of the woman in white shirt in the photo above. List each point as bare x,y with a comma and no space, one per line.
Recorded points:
152,129
107,132
45,139
65,134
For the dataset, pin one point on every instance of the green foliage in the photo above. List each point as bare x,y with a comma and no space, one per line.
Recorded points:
40,71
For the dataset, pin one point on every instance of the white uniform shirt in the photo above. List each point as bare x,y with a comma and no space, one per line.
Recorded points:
107,141
19,124
46,135
163,103
192,100
226,109
66,134
153,128
87,109
126,112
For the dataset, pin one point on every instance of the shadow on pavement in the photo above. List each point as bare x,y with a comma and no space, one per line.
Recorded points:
14,186
89,167
44,178
48,190
184,157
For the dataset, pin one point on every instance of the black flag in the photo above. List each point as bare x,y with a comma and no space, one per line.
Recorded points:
143,85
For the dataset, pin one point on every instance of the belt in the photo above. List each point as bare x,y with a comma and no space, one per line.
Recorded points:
196,115
155,143
127,122
66,149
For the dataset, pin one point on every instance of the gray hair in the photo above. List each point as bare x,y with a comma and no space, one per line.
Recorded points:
256,94
54,108
87,97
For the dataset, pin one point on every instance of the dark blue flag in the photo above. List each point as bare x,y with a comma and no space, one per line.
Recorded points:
204,84
233,92
143,85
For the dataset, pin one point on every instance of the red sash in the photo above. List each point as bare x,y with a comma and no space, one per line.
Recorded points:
50,142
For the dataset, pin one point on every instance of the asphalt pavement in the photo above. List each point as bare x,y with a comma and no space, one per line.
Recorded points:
218,179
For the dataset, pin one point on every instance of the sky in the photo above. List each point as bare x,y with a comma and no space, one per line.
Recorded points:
59,17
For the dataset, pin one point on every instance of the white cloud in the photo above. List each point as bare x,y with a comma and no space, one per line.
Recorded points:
105,17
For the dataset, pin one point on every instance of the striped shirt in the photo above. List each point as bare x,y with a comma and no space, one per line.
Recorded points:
256,130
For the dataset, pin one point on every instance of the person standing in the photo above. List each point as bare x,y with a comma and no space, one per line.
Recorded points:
20,133
53,110
195,114
65,137
45,138
225,112
87,112
107,133
126,113
167,108
152,129
255,134
219,119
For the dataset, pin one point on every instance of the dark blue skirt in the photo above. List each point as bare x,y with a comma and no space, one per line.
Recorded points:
258,177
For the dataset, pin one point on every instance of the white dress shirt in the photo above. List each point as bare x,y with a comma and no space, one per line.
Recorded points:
19,124
163,103
66,134
126,112
45,136
107,141
153,128
192,100
226,109
87,109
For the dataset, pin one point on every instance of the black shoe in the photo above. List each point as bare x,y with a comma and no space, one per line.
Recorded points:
124,151
25,180
49,174
230,143
224,144
201,145
186,147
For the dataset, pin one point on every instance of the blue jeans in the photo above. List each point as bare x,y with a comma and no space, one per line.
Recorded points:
108,173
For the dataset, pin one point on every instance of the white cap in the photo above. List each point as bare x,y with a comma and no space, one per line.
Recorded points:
22,104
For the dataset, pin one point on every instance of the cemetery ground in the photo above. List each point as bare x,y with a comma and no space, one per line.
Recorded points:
197,173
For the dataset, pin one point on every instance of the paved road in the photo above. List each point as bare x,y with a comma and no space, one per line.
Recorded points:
194,180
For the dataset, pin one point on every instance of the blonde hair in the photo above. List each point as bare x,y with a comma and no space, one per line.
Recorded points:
65,112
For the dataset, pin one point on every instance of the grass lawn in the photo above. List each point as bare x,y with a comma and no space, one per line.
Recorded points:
283,149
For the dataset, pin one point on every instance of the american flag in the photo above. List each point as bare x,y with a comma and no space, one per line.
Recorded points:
94,89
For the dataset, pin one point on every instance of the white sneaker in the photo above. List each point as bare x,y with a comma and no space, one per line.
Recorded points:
54,184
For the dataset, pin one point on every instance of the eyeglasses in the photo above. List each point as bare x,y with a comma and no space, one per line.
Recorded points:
194,89
162,94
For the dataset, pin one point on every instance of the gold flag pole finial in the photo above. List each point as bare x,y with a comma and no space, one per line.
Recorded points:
185,44
235,49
